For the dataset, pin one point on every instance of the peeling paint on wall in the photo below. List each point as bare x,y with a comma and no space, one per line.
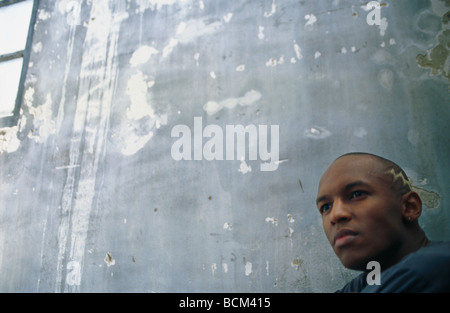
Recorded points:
250,98
8,139
437,59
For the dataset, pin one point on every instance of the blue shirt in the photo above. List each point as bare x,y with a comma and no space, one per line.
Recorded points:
425,271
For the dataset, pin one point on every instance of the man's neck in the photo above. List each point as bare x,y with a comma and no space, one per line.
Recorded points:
413,243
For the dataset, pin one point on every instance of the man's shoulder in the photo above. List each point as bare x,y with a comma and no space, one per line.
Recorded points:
426,270
435,253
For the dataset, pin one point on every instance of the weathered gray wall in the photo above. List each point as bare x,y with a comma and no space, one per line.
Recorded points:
91,198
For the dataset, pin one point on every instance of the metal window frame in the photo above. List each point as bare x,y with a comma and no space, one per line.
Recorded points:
12,120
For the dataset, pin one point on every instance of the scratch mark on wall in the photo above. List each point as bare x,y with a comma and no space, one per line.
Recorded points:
92,113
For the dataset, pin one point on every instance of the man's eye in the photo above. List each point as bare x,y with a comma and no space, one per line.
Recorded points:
324,208
356,194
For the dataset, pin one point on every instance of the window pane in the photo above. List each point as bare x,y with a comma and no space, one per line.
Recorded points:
14,23
9,83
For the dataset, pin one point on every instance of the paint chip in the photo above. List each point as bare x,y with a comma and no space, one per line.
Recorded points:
109,260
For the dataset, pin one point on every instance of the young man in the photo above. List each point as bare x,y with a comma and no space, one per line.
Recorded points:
370,213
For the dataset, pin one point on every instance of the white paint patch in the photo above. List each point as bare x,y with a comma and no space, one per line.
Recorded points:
227,226
73,277
382,57
290,218
272,220
43,15
360,132
244,168
72,10
37,47
225,267
227,17
142,118
383,26
213,75
142,55
137,87
240,68
190,30
261,32
250,98
8,139
169,47
386,79
248,268
311,20
317,55
317,133
213,268
197,58
43,123
271,62
414,137
273,10
392,41
298,51
156,4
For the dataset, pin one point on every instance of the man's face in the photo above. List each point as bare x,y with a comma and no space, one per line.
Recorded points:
361,214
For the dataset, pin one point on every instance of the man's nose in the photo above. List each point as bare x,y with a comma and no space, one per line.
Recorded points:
340,212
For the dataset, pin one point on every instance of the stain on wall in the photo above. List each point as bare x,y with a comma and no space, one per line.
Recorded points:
89,186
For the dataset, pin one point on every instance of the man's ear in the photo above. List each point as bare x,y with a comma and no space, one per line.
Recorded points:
412,206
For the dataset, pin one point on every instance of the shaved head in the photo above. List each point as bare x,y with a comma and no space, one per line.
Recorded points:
399,180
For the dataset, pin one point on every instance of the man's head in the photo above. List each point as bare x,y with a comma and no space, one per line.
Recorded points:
369,211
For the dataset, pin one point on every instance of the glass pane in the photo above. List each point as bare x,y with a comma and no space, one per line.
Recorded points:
14,23
9,84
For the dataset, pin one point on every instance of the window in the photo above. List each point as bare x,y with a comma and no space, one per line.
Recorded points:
16,26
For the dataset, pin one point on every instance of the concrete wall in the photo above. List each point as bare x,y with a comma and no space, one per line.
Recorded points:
92,198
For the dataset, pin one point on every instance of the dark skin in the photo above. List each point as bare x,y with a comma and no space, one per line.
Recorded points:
368,213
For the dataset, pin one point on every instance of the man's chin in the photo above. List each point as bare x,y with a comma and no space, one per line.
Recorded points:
352,262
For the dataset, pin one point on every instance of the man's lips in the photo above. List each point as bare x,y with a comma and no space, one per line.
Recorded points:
344,237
